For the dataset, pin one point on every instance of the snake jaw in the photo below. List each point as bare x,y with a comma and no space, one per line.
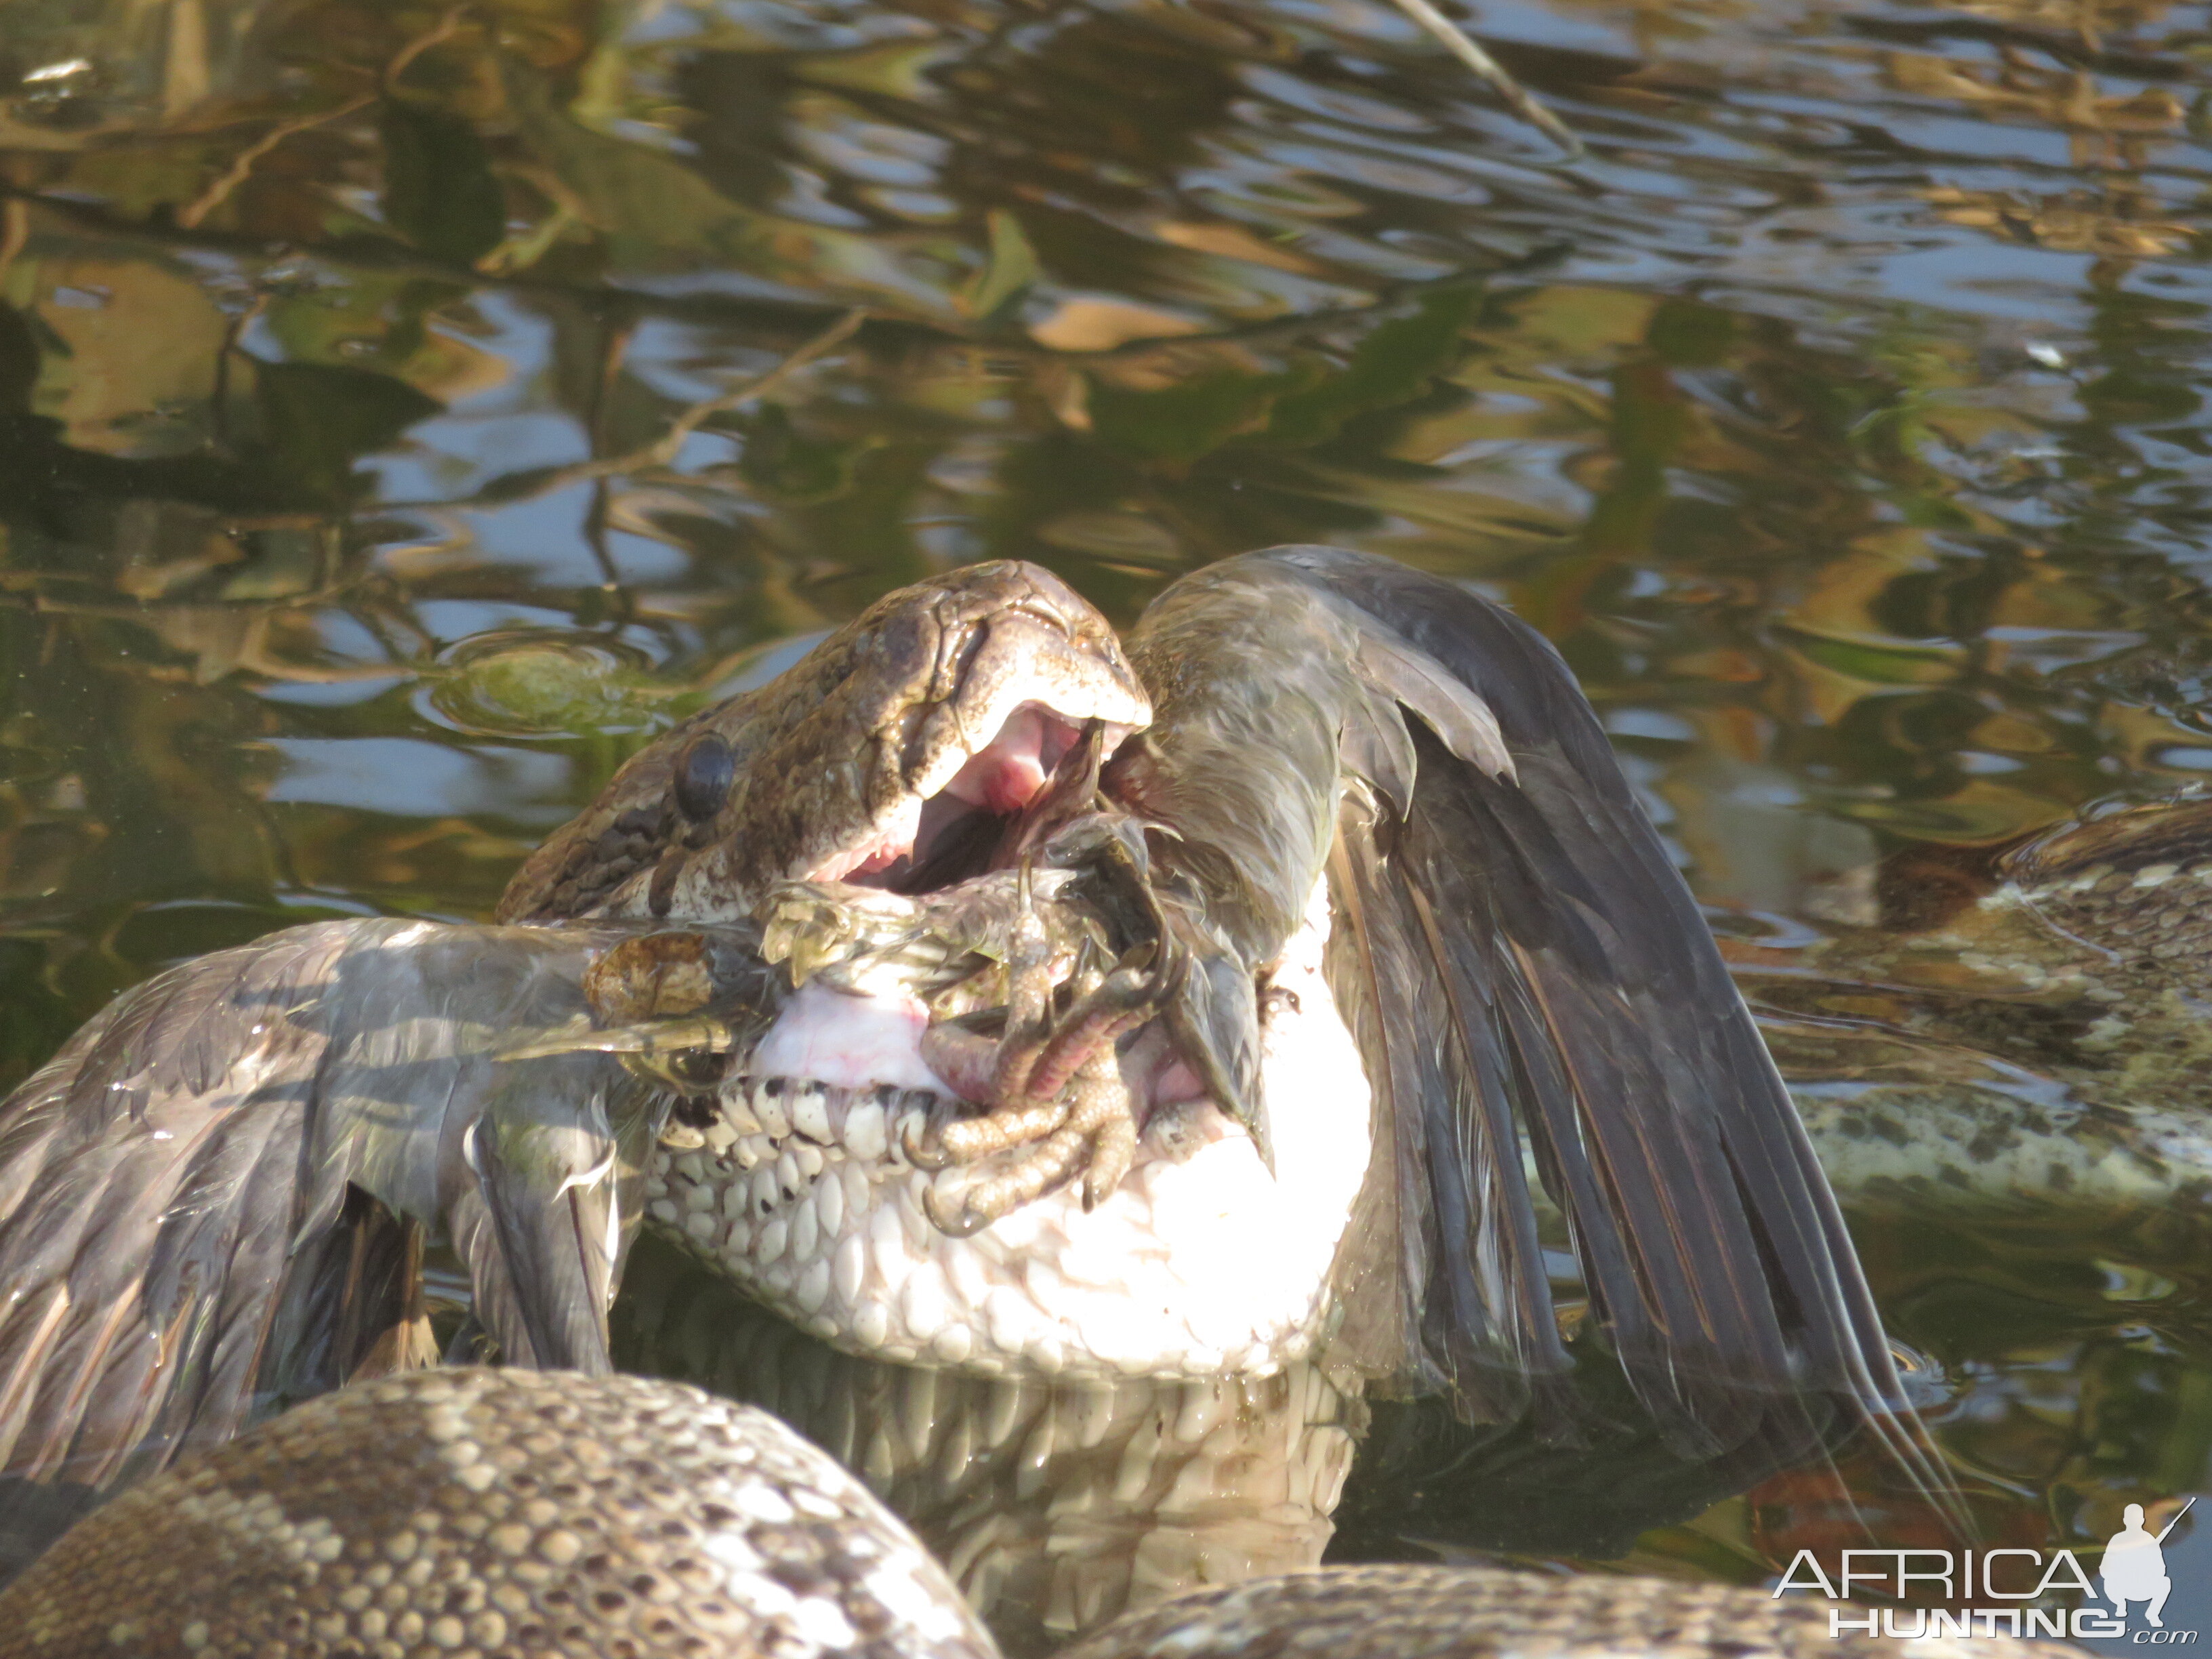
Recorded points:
984,716
925,725
1016,693
987,714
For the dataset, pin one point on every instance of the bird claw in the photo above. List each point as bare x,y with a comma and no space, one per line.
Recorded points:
1095,1137
918,1151
1113,1149
966,1224
1050,1075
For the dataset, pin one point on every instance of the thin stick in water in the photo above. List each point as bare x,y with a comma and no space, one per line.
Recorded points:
1518,99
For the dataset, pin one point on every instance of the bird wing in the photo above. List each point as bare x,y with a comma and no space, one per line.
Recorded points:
215,1198
518,1161
147,1175
1520,961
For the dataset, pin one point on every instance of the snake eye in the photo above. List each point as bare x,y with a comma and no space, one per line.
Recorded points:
704,772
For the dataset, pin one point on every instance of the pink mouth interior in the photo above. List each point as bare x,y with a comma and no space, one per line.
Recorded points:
998,781
1005,777
847,1041
850,1040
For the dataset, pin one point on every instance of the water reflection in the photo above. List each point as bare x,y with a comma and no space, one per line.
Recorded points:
388,444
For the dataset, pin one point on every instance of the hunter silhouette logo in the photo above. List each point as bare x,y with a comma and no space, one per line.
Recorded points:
2133,1568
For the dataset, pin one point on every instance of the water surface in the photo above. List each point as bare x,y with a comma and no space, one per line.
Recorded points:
384,454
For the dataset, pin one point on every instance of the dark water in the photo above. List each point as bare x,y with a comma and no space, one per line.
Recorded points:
375,472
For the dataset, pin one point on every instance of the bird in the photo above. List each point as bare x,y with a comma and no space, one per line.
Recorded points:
1298,975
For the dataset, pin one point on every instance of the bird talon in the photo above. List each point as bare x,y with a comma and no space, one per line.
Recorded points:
1113,1149
918,1153
968,1223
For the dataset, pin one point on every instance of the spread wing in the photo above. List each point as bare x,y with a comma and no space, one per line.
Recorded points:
1521,963
216,1198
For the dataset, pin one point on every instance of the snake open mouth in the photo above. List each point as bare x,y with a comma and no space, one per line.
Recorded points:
946,837
1091,1208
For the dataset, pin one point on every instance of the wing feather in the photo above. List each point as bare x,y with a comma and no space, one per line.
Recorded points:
1521,962
1711,1244
493,1301
1473,1305
547,1165
214,1198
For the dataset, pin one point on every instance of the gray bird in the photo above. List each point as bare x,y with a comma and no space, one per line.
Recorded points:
1031,1006
1520,962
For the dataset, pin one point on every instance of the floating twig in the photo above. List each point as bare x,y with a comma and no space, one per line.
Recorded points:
1518,98
241,168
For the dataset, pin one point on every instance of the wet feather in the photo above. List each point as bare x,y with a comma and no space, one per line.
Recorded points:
201,1196
1520,961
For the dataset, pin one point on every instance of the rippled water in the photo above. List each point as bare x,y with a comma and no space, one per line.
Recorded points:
385,450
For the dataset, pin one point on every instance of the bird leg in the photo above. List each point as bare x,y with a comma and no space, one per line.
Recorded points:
1002,1065
1059,1106
1029,1006
1098,1139
1123,1001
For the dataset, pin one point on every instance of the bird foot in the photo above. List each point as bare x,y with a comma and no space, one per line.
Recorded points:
1059,1107
1094,1137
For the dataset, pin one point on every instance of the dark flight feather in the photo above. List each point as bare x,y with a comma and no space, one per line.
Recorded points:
213,1201
1522,963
